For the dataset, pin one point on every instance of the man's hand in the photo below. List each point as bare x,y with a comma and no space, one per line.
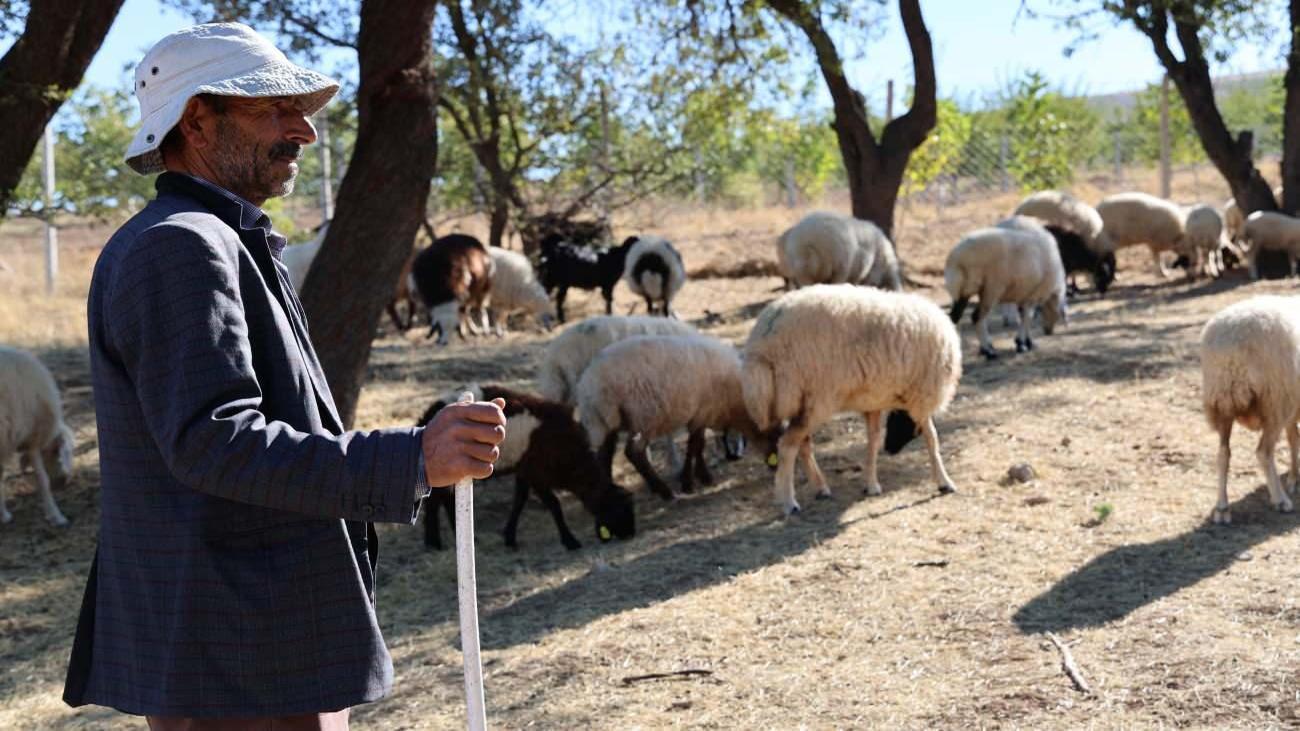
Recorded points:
461,441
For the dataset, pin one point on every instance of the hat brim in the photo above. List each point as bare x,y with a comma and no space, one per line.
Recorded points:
278,78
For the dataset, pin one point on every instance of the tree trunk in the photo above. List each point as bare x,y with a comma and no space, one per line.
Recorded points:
875,170
354,275
39,73
1291,119
499,220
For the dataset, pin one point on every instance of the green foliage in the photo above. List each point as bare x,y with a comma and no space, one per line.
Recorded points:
1102,511
1045,130
1140,130
942,150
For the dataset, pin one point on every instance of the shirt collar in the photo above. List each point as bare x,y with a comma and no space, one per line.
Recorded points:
233,210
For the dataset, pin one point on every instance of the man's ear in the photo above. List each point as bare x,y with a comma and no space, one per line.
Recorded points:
197,123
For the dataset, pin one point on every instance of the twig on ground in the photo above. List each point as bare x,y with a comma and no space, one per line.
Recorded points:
938,563
1068,665
660,676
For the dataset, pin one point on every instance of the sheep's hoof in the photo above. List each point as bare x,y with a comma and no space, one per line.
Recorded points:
988,353
792,509
872,490
57,520
947,489
1021,346
1221,516
1284,506
823,495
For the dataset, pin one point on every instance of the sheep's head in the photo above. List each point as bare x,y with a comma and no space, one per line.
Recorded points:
900,430
1104,274
615,514
57,456
1055,310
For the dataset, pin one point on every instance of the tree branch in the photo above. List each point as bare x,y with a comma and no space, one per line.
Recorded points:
910,130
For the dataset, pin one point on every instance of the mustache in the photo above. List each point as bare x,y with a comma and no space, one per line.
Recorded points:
286,149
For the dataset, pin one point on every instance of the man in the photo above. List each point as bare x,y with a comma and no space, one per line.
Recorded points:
234,581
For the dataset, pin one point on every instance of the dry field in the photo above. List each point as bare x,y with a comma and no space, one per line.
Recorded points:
906,610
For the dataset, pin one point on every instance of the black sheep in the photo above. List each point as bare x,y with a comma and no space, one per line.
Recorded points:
563,264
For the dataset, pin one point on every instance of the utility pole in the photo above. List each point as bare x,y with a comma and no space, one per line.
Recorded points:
889,101
51,233
1166,170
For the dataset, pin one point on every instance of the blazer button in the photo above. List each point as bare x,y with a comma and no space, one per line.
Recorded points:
367,510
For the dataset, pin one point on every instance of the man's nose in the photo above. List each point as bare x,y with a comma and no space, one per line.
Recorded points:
298,128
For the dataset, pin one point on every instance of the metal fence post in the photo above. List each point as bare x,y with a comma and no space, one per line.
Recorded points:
1166,168
1004,156
51,232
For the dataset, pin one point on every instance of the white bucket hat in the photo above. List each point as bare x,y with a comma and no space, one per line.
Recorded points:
226,59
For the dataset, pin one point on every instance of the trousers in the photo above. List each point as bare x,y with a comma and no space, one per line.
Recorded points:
332,721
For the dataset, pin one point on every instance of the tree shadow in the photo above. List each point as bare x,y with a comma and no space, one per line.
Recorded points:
1125,579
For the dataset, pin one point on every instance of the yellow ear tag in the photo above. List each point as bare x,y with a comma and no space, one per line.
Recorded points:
772,460
604,533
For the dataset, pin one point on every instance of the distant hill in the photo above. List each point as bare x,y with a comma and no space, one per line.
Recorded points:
1123,101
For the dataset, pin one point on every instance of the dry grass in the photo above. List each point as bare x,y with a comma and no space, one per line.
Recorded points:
833,619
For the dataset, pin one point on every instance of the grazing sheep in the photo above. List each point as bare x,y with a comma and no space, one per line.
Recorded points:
570,352
515,288
1204,241
563,264
454,272
652,385
832,348
1233,221
1138,218
31,424
1270,232
831,248
1250,370
654,270
1015,262
298,258
547,451
404,293
1063,210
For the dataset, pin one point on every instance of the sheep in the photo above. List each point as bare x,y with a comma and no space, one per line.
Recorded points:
1204,241
546,450
1250,374
31,424
654,270
830,348
569,353
404,293
1080,236
298,259
1138,218
563,264
454,272
831,248
1268,232
652,385
1233,221
515,288
1015,262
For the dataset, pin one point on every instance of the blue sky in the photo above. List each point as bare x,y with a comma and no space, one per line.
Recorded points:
979,47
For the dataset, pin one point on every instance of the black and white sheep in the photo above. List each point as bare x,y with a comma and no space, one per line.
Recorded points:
1250,370
547,451
827,349
1080,236
654,270
650,386
562,264
831,248
451,275
31,425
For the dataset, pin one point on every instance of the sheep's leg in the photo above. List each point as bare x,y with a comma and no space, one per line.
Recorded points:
1293,443
440,500
560,294
485,327
52,512
649,305
982,312
1023,343
937,472
1222,511
787,450
1160,265
552,504
635,453
1264,453
516,510
810,468
497,322
875,436
5,515
608,294
696,466
606,455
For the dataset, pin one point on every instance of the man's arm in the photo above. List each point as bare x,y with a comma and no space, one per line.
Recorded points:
176,319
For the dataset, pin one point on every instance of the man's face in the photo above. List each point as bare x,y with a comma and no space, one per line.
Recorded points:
257,143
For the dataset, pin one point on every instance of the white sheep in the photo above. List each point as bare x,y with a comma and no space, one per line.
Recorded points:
1016,262
570,352
1233,221
650,386
832,348
515,288
1139,218
831,248
298,258
1062,209
1203,241
1250,370
31,424
654,270
1271,231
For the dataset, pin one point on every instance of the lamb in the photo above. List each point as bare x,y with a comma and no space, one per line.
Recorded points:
563,264
546,450
1138,218
1268,231
831,348
1077,227
31,424
1204,241
1250,370
652,385
515,288
831,248
454,272
654,270
1015,262
570,352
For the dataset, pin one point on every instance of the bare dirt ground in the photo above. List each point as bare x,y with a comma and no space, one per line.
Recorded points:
906,610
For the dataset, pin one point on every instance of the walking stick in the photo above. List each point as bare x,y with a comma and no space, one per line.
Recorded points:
467,595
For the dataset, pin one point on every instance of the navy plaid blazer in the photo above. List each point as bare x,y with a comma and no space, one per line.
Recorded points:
235,569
